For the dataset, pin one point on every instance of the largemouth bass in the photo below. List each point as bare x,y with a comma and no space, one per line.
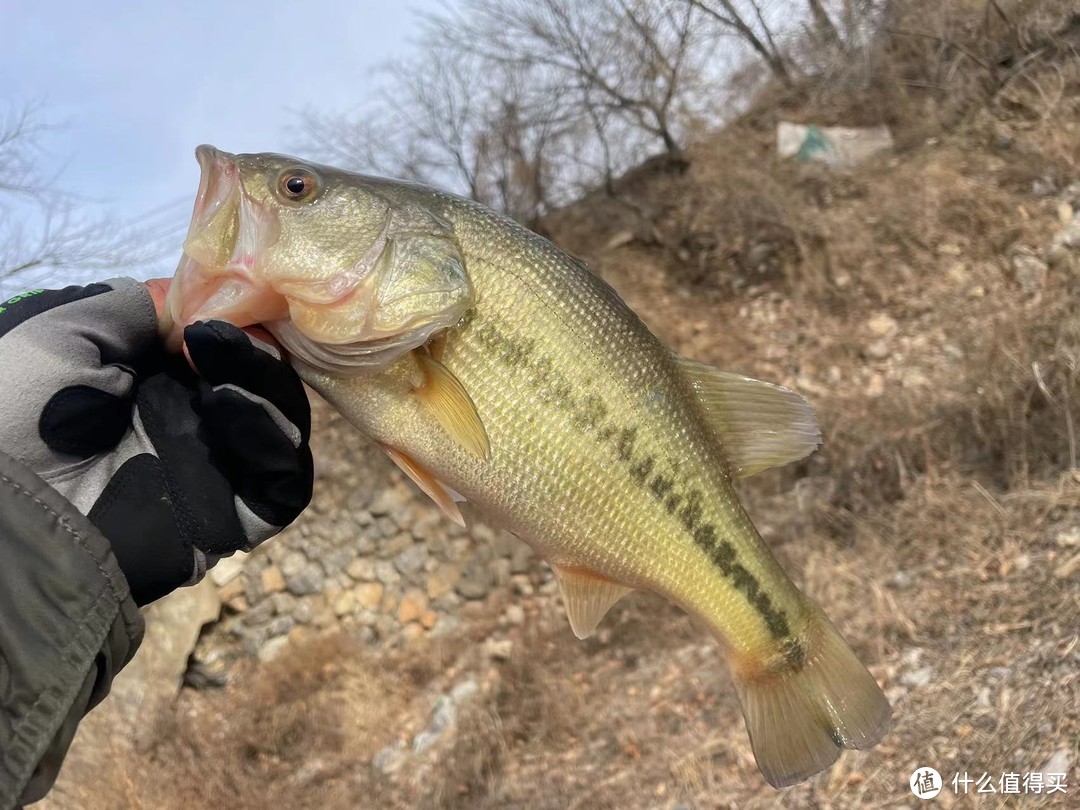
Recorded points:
494,368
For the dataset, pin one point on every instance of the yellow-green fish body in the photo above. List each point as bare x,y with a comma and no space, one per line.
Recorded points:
549,405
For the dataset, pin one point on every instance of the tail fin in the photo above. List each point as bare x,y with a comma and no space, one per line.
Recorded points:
815,699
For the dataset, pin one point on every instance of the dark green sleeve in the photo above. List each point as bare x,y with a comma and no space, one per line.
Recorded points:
67,626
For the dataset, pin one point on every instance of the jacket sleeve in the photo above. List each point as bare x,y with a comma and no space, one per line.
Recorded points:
67,626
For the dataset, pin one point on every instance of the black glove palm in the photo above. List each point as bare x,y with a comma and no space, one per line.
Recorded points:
175,469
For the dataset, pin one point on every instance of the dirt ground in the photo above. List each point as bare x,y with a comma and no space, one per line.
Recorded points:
924,308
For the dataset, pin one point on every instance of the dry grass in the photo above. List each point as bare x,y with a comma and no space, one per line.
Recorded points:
930,526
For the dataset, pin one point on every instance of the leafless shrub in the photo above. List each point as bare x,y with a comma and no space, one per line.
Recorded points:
46,232
526,105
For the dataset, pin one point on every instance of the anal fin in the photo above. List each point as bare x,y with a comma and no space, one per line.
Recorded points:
443,496
587,597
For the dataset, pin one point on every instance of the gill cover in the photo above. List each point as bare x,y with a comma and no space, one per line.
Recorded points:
409,285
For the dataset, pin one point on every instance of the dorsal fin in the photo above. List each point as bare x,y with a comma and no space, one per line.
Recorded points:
587,597
760,424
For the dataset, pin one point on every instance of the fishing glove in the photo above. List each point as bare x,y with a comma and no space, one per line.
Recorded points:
176,468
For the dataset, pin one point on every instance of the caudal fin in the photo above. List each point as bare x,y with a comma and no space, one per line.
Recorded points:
813,700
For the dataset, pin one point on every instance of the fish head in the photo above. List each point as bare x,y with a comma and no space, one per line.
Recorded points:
345,275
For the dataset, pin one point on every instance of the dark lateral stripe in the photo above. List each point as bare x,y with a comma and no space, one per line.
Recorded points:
589,414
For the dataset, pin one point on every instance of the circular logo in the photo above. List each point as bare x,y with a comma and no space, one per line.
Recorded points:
925,783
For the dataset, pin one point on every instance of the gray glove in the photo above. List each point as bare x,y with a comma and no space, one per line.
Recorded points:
176,469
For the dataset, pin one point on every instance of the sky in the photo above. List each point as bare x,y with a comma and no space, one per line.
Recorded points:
136,86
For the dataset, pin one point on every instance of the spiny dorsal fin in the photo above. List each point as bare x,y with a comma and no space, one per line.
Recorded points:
587,597
432,486
761,425
444,395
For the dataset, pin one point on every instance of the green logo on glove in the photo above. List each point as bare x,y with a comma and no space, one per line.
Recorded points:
16,299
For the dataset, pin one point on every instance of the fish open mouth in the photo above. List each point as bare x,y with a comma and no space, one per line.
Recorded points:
217,276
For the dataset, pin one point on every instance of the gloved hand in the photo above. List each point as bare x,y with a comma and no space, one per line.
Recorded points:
176,468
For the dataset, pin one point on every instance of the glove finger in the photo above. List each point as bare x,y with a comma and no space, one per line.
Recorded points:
136,512
200,493
269,469
82,420
225,355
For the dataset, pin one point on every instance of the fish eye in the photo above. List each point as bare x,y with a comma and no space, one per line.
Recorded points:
297,185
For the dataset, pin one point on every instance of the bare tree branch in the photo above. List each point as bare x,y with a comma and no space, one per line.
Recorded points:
46,233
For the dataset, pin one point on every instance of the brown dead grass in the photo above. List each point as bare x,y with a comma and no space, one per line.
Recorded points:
928,526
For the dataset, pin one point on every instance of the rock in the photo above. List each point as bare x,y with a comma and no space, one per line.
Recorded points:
429,619
280,626
306,581
411,560
878,350
260,613
911,656
413,605
901,580
365,542
427,526
442,580
304,610
293,564
361,570
232,594
213,674
515,614
272,649
1069,538
385,502
335,561
876,386
345,603
390,759
1044,187
395,545
475,579
521,559
1028,269
284,603
272,580
228,569
917,679
499,649
369,595
386,573
883,325
464,691
443,719
1058,763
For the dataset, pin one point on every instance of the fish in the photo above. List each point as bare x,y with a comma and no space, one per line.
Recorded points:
496,369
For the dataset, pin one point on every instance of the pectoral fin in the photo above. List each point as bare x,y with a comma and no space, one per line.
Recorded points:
760,425
443,394
587,597
443,496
